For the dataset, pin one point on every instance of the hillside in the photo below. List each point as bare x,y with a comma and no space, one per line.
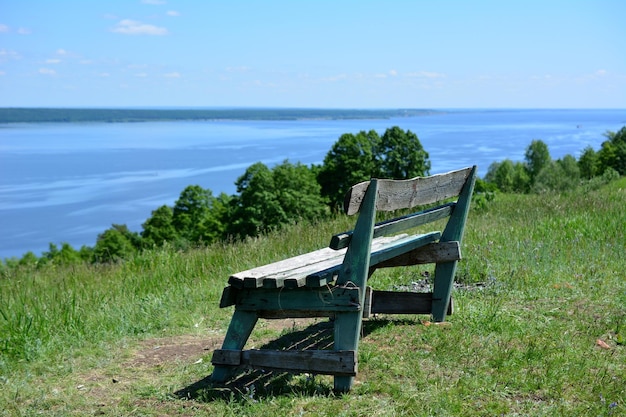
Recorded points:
539,326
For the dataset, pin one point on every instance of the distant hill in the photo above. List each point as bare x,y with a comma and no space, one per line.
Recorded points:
60,115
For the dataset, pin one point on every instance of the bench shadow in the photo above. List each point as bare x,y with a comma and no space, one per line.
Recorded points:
249,384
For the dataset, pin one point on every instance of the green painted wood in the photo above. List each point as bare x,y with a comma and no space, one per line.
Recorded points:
325,362
354,273
397,225
239,330
316,299
444,272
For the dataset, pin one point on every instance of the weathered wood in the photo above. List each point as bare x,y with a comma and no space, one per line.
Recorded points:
237,280
431,253
314,299
327,362
394,302
444,271
318,268
332,282
401,194
342,240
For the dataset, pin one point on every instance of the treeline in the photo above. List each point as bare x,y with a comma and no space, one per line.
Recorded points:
270,198
58,115
540,173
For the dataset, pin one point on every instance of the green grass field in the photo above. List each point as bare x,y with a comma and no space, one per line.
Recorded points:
538,329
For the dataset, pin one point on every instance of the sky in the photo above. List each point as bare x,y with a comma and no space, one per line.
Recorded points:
313,54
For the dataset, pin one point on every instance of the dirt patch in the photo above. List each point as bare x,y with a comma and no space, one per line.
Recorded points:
185,348
153,352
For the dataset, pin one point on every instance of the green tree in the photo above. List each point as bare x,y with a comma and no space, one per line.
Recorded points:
537,157
116,243
256,208
270,198
612,153
401,155
551,178
193,216
570,168
351,159
159,227
298,192
588,163
508,176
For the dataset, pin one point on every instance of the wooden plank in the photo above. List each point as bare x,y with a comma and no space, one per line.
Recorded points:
327,362
237,280
228,357
228,297
394,302
402,246
444,271
400,194
294,314
431,253
294,276
314,299
342,240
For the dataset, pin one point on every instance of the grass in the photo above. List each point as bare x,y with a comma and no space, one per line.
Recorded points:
541,335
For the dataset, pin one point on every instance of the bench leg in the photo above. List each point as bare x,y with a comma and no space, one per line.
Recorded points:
347,333
444,280
239,330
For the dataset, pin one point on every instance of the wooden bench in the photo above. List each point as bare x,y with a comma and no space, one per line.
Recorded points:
333,281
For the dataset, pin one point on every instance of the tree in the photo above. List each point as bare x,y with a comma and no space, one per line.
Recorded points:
588,163
537,157
351,159
116,243
269,199
612,153
192,215
298,192
400,155
570,168
159,227
508,176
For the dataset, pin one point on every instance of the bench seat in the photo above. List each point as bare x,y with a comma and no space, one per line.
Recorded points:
319,268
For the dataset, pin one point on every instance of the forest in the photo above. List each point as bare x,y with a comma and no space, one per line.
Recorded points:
63,115
269,198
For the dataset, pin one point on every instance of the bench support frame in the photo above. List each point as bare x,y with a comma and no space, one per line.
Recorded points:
347,298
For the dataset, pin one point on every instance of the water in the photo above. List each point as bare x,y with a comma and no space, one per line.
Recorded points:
69,182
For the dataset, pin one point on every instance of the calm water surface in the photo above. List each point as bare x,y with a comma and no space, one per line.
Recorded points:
69,182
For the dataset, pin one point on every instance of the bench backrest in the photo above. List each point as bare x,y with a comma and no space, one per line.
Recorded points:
393,195
368,197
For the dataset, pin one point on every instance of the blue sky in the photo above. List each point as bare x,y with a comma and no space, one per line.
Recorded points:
335,54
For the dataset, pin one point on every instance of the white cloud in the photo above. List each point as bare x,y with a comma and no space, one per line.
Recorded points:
426,74
172,75
4,28
601,73
53,61
393,73
6,55
61,52
134,27
2,73
334,78
47,71
104,74
141,75
24,31
173,13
